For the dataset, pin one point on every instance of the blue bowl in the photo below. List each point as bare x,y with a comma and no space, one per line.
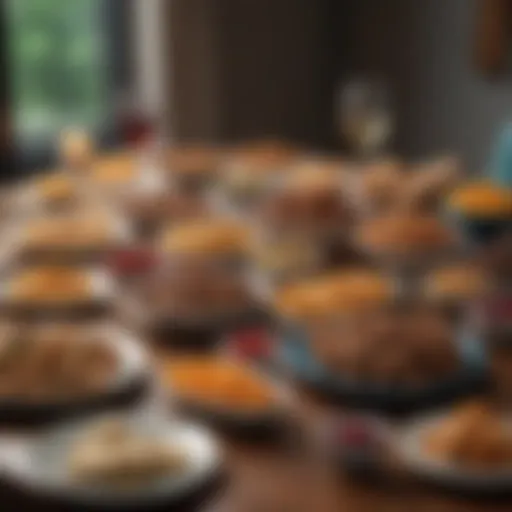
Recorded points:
472,377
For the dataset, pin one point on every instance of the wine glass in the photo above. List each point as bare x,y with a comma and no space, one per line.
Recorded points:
136,126
364,117
141,132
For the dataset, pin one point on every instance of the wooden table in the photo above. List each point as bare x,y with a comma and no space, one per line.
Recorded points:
266,478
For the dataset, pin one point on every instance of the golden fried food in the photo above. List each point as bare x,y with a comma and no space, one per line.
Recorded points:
206,236
263,156
405,235
456,282
215,382
193,159
482,200
344,292
73,232
320,174
49,284
56,187
474,436
116,169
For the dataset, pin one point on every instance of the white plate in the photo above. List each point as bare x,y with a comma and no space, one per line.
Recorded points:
410,446
39,466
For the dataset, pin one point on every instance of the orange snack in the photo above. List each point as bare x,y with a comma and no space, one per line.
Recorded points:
456,282
193,159
316,175
406,234
263,156
50,284
67,231
214,382
482,200
115,169
473,435
206,236
55,187
348,291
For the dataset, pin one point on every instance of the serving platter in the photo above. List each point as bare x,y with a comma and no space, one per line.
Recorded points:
242,421
295,356
38,468
409,447
128,383
201,332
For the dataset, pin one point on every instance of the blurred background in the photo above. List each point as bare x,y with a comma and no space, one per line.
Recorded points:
228,70
287,195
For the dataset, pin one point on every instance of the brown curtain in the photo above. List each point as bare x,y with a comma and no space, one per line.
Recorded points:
249,68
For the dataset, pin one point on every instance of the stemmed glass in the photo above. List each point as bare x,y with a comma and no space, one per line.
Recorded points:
364,117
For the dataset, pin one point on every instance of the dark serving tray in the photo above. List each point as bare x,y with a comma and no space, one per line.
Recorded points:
17,413
201,333
472,377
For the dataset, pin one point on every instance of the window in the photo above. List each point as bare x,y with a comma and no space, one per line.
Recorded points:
64,65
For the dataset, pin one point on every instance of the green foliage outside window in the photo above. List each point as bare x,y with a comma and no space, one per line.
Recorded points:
58,70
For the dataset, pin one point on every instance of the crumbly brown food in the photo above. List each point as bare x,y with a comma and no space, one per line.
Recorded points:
456,282
412,347
196,290
54,363
405,234
474,436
